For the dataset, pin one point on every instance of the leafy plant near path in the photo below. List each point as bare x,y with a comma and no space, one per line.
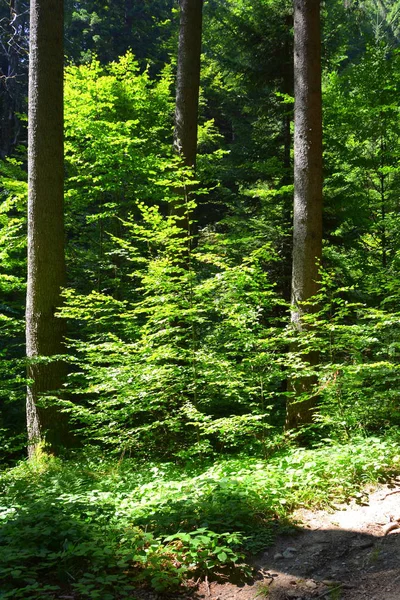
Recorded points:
99,528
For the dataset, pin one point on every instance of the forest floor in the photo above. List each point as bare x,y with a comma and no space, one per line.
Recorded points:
349,553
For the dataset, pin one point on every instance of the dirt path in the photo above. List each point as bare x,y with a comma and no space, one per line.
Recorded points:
348,554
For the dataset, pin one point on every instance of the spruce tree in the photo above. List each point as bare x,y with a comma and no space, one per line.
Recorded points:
187,98
46,265
307,220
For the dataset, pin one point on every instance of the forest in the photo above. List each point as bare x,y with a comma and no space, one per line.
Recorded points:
199,283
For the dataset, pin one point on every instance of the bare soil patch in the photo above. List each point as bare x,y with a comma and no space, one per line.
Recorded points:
349,553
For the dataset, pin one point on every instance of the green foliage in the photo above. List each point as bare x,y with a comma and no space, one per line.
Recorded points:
94,28
194,360
362,141
183,356
118,147
13,191
97,528
191,358
357,374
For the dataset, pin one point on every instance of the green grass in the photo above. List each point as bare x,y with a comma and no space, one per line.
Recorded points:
99,529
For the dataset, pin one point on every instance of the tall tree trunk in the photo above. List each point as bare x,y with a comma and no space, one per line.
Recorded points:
307,219
287,179
188,80
46,263
187,97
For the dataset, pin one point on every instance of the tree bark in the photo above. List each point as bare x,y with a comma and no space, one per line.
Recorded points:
187,98
46,262
188,80
307,219
287,179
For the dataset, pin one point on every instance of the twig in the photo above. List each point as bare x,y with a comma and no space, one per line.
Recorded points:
391,494
207,587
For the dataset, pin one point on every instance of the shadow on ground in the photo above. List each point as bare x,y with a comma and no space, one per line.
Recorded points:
333,564
339,555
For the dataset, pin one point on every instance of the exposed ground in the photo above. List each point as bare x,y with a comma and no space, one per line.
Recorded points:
350,553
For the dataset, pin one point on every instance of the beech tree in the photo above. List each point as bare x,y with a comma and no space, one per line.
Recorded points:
307,218
46,263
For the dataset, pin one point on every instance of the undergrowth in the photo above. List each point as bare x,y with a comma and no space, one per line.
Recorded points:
98,529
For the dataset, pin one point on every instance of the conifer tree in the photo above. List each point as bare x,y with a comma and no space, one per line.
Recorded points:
307,220
46,266
187,94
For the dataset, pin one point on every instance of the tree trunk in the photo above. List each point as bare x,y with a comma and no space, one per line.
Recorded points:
187,98
188,80
46,263
287,179
307,219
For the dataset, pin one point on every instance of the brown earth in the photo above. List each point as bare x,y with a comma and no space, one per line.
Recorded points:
350,553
